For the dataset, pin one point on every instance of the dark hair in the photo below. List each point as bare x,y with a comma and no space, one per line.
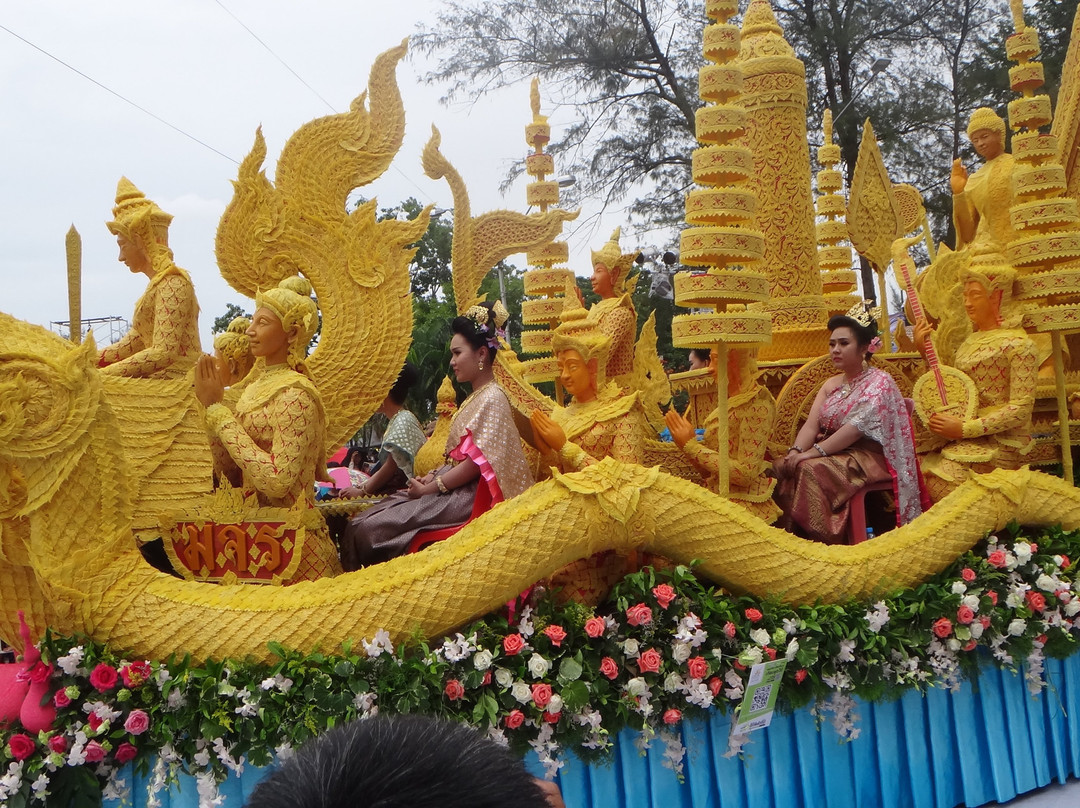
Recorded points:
863,333
702,354
406,379
466,327
401,760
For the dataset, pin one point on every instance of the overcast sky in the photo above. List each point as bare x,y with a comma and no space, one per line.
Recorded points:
65,141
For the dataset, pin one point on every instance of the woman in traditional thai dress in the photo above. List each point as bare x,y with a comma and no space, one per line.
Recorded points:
483,448
274,443
858,432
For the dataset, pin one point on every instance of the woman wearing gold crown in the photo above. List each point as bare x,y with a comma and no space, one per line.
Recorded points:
163,341
274,442
614,313
858,432
483,448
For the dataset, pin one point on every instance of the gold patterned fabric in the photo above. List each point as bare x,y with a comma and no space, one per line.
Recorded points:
751,416
990,192
163,342
485,416
615,317
274,442
611,425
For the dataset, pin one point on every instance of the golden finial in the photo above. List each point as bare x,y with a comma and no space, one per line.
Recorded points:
827,126
1017,7
534,97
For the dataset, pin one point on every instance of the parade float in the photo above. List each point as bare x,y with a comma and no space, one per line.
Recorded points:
909,657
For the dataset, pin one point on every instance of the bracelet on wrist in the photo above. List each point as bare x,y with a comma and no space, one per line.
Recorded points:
821,451
441,485
796,448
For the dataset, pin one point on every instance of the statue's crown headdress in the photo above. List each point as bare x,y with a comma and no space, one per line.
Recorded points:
291,301
617,262
986,118
577,332
133,208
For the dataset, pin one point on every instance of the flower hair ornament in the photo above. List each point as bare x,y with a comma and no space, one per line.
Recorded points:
480,315
874,346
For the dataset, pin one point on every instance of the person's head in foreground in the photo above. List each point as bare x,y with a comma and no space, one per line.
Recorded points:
403,760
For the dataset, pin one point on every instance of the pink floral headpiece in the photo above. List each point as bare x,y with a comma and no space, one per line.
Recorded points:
874,346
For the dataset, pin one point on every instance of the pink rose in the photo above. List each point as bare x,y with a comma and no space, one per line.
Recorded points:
753,615
997,559
95,752
968,574
639,615
512,644
556,634
454,690
125,753
738,665
103,678
800,676
40,672
135,674
595,627
541,694
698,667
942,627
486,680
993,596
515,719
770,652
1035,601
664,594
729,630
964,615
714,685
1034,547
672,716
1065,563
21,746
137,722
61,699
649,661
552,718
609,668
94,720
58,744
985,620
969,645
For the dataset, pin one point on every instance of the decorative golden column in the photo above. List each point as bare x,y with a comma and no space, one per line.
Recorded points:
546,282
720,236
834,257
774,96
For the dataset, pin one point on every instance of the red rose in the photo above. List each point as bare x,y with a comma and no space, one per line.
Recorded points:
552,718
103,677
964,615
985,620
649,661
729,630
738,665
993,596
541,694
800,676
555,634
770,651
512,644
1035,601
137,722
21,746
698,667
595,627
94,720
753,615
943,627
1065,563
125,753
454,690
486,680
714,685
40,672
968,574
515,719
997,558
639,615
135,674
58,744
95,752
672,716
664,594
969,645
609,668
61,699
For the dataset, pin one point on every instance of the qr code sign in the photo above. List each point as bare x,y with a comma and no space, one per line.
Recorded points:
761,698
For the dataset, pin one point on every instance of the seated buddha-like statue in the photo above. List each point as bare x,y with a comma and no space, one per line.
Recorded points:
1001,360
614,314
163,341
751,413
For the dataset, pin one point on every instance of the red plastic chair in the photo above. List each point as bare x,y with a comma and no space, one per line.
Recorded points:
481,503
857,515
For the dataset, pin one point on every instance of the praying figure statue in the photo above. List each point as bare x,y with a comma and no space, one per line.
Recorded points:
614,314
163,341
751,413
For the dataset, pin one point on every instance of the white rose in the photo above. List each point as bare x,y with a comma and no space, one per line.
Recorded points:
1046,583
503,677
482,660
680,651
1072,607
630,648
521,692
1017,627
637,687
792,649
1023,551
959,587
976,629
972,602
673,682
555,705
953,644
760,636
538,666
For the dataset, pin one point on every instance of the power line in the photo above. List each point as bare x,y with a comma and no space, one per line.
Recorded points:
126,100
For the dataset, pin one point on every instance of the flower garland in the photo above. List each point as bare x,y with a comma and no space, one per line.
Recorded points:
664,647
